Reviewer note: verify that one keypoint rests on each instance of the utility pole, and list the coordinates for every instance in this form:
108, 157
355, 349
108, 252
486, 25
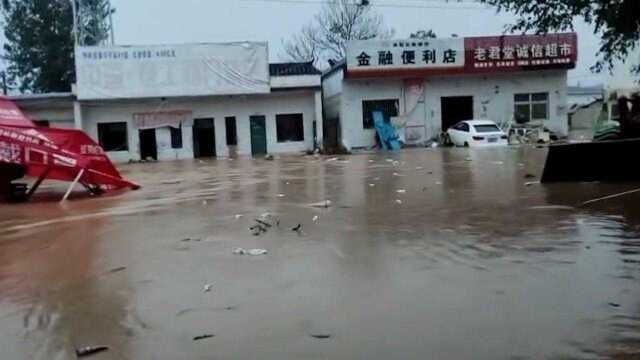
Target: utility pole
113, 37
75, 22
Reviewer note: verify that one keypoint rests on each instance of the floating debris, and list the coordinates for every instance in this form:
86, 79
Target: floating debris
297, 228
172, 182
372, 185
90, 350
118, 269
614, 304
268, 157
332, 159
238, 216
202, 337
398, 201
321, 204
257, 252
531, 183
207, 287
252, 252
281, 195
401, 191
321, 336
316, 218
263, 223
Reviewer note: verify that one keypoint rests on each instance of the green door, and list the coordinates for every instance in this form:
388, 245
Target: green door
258, 135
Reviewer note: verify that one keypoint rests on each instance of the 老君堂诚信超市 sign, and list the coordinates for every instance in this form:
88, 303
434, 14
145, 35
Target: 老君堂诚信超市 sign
423, 57
521, 52
123, 72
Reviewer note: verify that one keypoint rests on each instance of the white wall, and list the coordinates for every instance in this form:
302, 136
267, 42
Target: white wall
492, 99
57, 117
354, 92
295, 81
242, 107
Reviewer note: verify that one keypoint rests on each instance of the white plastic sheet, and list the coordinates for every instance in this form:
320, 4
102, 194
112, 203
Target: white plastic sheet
120, 72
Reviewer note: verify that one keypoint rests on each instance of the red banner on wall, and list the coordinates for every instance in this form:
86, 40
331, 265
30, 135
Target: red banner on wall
520, 52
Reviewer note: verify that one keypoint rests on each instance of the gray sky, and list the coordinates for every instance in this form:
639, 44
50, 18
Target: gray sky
164, 21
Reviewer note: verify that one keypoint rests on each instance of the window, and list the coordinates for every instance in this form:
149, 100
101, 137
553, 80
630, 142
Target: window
290, 127
176, 137
528, 107
486, 128
42, 123
113, 136
232, 132
388, 107
462, 126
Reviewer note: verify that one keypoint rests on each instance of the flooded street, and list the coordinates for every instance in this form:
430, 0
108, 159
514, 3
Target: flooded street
422, 254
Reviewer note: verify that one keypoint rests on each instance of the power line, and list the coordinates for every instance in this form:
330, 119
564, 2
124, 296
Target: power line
425, 4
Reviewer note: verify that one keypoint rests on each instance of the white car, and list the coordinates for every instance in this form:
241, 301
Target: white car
477, 133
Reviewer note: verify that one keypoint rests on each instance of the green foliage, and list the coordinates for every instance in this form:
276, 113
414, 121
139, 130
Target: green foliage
40, 45
616, 21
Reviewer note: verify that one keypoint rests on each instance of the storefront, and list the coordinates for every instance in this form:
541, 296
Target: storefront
183, 101
426, 85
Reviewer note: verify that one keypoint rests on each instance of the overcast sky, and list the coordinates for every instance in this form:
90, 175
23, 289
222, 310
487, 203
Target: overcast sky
166, 22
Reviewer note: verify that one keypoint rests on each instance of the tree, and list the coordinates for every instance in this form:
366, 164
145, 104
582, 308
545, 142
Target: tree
337, 23
423, 34
617, 22
40, 44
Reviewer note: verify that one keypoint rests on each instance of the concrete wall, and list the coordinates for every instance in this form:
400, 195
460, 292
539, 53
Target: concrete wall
492, 99
242, 107
57, 117
332, 94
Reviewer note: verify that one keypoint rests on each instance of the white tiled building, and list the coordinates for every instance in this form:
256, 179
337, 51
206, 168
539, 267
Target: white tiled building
429, 96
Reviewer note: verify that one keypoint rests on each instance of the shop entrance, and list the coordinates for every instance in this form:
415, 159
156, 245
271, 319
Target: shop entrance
456, 109
148, 144
204, 138
258, 135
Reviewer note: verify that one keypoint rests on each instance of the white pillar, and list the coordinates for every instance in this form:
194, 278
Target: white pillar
77, 115
319, 119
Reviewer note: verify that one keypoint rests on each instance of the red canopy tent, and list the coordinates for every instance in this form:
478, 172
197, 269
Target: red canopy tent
48, 153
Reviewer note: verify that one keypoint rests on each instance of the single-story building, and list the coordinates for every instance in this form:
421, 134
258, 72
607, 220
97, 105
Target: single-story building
424, 86
184, 101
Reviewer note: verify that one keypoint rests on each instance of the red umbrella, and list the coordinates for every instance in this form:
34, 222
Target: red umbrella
48, 153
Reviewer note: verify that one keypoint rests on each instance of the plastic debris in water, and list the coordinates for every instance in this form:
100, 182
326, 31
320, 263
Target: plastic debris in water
401, 191
372, 185
398, 201
208, 287
315, 218
321, 336
281, 195
202, 337
238, 216
90, 350
252, 252
321, 204
239, 251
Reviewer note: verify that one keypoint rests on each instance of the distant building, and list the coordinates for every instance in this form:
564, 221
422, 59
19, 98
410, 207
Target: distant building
428, 85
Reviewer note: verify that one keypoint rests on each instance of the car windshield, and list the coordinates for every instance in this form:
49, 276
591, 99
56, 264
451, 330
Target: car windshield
486, 128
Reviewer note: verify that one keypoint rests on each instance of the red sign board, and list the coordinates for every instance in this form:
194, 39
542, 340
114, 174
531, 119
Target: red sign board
520, 52
493, 54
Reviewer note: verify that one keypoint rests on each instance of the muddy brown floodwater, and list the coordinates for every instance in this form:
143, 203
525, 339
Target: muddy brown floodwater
466, 263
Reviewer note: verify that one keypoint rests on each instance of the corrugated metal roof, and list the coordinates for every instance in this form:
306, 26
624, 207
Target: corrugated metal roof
293, 69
